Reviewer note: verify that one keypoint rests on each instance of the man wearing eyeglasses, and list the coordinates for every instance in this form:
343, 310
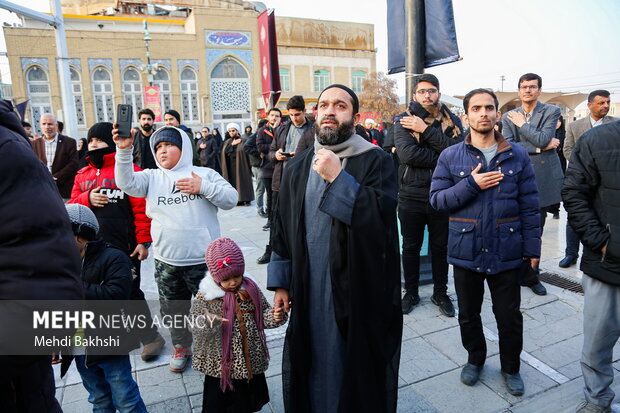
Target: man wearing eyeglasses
533, 125
426, 129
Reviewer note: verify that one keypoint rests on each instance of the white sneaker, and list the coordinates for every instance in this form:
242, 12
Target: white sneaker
179, 359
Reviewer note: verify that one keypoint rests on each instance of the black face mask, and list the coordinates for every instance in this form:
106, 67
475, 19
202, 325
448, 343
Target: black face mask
96, 156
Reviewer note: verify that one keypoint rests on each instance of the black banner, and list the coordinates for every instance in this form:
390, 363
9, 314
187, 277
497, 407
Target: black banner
441, 45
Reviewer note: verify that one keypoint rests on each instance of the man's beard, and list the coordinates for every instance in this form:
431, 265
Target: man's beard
483, 129
329, 136
432, 109
147, 127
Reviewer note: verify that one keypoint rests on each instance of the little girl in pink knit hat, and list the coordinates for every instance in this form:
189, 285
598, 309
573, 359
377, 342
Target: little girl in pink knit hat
230, 347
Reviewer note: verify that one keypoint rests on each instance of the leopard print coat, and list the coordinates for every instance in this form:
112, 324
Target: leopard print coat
249, 357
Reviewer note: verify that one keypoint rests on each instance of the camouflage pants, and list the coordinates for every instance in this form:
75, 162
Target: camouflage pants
176, 287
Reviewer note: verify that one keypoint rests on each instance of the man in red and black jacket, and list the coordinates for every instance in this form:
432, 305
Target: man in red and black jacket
122, 218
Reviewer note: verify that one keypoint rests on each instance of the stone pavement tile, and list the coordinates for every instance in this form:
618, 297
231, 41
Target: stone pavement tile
571, 370
77, 407
535, 382
448, 342
160, 384
560, 399
431, 322
195, 400
408, 333
447, 394
275, 361
547, 334
531, 300
75, 393
179, 404
560, 354
419, 361
276, 403
60, 391
410, 400
551, 312
194, 384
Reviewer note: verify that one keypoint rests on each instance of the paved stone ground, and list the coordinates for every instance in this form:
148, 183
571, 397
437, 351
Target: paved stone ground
432, 354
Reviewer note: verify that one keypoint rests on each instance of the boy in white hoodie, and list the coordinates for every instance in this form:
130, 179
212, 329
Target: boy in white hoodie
182, 201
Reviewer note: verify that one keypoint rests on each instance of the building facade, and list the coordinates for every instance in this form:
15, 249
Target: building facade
205, 52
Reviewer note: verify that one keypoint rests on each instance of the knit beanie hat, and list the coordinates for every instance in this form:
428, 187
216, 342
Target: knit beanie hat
174, 113
168, 134
102, 131
83, 221
224, 259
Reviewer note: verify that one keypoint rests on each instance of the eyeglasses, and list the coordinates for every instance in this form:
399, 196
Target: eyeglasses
528, 87
423, 92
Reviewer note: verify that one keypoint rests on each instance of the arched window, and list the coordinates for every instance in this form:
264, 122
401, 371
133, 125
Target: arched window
103, 95
357, 80
39, 94
78, 97
321, 80
161, 79
230, 93
132, 90
285, 80
189, 95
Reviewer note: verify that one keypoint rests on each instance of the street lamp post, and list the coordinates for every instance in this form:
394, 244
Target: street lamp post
148, 68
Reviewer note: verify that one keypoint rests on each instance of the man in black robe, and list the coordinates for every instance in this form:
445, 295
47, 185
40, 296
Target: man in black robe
336, 262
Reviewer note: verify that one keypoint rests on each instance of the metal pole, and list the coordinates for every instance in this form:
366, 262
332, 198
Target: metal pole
416, 36
149, 68
64, 73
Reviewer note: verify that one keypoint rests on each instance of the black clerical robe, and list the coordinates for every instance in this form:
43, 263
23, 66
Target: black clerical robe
365, 278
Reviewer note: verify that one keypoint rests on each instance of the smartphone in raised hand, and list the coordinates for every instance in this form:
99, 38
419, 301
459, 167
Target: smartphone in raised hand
124, 115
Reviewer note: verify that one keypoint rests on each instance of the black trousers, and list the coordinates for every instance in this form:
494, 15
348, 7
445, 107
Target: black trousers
414, 216
506, 298
27, 385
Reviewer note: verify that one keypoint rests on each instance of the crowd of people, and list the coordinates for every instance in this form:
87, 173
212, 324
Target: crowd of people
331, 190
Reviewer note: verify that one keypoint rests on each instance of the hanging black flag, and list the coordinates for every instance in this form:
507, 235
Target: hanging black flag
441, 46
21, 109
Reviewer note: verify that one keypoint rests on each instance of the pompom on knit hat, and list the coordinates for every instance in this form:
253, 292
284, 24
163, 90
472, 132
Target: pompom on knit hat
83, 221
168, 134
224, 259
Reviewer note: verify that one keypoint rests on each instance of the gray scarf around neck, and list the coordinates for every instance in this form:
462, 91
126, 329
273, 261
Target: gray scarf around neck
352, 147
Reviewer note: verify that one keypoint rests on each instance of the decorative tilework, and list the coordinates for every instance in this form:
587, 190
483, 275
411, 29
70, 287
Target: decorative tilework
187, 62
123, 63
213, 55
92, 63
77, 63
163, 62
29, 61
224, 38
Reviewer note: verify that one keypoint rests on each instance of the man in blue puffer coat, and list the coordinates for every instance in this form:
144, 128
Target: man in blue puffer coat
488, 186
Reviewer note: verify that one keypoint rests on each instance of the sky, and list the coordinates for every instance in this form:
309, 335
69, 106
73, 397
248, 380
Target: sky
572, 44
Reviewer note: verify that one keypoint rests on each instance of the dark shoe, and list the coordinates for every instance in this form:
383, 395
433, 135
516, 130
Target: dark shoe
409, 301
567, 262
538, 289
444, 303
153, 349
264, 259
263, 214
267, 227
514, 383
470, 374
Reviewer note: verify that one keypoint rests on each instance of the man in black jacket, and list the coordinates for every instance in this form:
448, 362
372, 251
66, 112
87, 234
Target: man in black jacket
38, 259
142, 154
427, 128
591, 195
